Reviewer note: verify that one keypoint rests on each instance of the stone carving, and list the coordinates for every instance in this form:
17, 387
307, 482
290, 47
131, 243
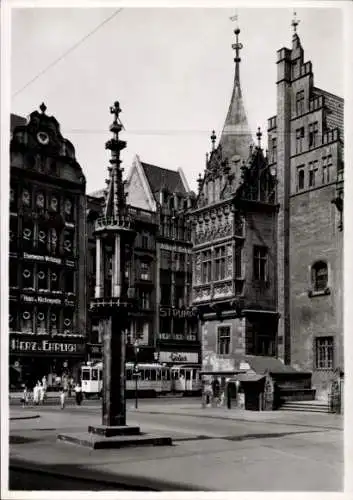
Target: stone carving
223, 290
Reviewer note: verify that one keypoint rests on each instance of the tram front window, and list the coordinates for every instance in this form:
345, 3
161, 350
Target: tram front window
85, 374
95, 374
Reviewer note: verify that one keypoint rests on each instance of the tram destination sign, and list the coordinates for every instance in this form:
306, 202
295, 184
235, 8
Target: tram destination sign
45, 346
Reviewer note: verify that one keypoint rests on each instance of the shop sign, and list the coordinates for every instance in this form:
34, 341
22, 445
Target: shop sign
178, 357
70, 263
40, 300
95, 349
176, 313
42, 258
45, 346
175, 248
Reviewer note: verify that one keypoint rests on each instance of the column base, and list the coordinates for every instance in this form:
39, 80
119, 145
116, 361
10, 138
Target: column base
114, 430
101, 437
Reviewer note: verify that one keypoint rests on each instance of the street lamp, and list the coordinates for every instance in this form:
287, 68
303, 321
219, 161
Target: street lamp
136, 371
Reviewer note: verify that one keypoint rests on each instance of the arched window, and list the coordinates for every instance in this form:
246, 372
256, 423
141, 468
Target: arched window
319, 276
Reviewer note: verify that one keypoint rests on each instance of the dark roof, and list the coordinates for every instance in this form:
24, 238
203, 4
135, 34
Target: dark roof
261, 364
161, 178
15, 121
335, 105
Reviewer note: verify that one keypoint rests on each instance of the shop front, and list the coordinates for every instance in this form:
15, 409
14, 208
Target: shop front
31, 358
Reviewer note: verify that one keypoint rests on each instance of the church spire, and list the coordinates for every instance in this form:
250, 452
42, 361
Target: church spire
236, 136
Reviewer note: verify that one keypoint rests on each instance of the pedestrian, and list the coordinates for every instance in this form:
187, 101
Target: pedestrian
25, 397
78, 393
36, 395
41, 394
62, 398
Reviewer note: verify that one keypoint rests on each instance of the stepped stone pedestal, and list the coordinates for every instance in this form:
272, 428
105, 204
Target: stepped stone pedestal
120, 436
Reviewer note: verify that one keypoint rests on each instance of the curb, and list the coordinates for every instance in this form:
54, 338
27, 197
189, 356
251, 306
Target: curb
240, 419
107, 479
25, 418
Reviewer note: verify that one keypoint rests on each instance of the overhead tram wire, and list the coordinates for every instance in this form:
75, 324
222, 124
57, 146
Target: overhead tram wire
71, 49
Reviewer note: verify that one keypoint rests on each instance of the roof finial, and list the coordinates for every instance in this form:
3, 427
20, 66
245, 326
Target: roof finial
213, 139
199, 181
259, 135
295, 22
43, 108
236, 46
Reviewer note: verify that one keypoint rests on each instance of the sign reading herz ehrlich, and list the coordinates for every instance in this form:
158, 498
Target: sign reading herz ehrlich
45, 346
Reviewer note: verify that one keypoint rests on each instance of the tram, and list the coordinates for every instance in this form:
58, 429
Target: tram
153, 379
186, 379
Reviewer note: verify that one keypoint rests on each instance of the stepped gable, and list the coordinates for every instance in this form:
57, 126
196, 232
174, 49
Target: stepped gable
334, 105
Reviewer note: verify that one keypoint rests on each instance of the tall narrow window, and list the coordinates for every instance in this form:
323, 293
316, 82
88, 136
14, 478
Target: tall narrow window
313, 173
238, 263
319, 276
313, 134
145, 300
260, 263
206, 267
300, 178
299, 145
299, 102
145, 271
223, 340
274, 149
220, 263
324, 350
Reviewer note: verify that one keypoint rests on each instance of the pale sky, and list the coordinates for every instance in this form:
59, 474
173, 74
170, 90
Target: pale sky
171, 69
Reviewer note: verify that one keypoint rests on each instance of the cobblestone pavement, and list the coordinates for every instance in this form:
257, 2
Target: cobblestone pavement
214, 448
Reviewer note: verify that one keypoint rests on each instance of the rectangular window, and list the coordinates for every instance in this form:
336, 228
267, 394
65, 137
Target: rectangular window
145, 273
260, 263
299, 145
300, 178
300, 102
324, 348
206, 267
220, 263
223, 340
313, 134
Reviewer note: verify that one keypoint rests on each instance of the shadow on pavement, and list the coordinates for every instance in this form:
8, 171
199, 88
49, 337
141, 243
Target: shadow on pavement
24, 476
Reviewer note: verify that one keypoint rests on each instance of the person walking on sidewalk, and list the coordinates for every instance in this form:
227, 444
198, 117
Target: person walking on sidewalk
25, 397
78, 394
62, 398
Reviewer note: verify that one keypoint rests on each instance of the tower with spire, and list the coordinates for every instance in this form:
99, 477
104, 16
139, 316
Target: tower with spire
232, 228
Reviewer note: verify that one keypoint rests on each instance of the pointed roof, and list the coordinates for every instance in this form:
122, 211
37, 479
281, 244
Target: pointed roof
162, 178
236, 136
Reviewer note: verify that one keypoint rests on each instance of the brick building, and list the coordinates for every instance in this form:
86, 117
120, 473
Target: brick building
47, 308
306, 148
